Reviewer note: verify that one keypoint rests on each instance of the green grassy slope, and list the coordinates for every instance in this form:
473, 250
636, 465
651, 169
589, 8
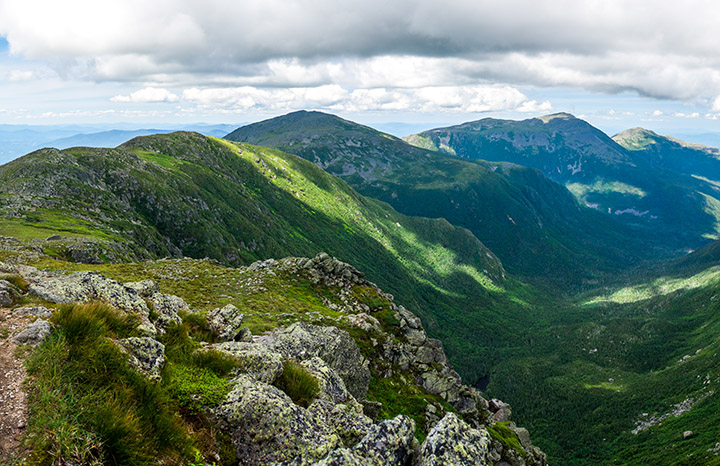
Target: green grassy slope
638, 182
534, 225
610, 360
185, 194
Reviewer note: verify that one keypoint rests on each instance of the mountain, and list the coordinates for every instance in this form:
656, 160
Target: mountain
18, 140
668, 198
668, 153
184, 194
533, 224
115, 137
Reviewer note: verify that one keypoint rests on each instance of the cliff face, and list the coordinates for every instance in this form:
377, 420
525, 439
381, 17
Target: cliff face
385, 394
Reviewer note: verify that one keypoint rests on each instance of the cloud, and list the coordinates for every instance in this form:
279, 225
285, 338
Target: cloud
657, 113
147, 95
654, 49
686, 115
333, 97
533, 106
21, 75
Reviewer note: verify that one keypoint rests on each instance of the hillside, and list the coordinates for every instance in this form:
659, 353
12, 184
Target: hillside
187, 195
678, 205
628, 375
534, 225
304, 362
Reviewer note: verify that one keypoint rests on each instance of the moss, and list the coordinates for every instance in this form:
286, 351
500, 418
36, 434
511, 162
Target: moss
509, 439
194, 387
297, 383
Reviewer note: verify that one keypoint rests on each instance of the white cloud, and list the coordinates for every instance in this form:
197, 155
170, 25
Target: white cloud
417, 50
333, 97
533, 106
686, 115
147, 95
21, 75
657, 113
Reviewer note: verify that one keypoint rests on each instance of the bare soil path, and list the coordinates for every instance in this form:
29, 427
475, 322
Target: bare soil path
13, 406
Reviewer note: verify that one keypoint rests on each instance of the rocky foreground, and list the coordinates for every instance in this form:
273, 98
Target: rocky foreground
341, 426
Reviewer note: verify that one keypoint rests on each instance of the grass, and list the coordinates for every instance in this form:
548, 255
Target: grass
89, 406
400, 395
297, 383
509, 439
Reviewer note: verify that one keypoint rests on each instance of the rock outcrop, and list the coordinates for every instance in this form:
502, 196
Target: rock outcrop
372, 337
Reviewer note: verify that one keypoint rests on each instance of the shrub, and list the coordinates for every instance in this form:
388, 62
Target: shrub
297, 383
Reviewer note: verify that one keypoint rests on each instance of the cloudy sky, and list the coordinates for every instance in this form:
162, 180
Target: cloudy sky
617, 63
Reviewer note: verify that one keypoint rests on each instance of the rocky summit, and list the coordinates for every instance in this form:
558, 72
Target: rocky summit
359, 349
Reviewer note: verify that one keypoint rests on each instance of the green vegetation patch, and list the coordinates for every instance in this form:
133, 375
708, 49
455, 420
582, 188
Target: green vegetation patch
509, 439
88, 406
400, 395
298, 383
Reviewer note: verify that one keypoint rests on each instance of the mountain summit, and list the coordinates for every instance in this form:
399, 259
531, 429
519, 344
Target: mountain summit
533, 224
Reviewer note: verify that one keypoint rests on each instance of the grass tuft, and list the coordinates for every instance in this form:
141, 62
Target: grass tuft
297, 383
88, 406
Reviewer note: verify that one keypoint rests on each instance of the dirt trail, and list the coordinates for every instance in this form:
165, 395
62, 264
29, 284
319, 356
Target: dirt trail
13, 407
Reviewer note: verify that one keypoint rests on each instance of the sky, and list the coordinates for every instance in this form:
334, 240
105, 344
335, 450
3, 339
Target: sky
615, 63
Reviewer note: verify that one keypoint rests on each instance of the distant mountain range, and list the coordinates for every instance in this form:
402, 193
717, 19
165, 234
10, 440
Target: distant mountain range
533, 224
661, 184
17, 140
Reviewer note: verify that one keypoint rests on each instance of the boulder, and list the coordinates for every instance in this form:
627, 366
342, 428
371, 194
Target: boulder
454, 442
35, 311
145, 354
144, 288
389, 443
257, 361
8, 293
336, 347
34, 333
226, 321
346, 420
332, 387
268, 428
83, 287
167, 306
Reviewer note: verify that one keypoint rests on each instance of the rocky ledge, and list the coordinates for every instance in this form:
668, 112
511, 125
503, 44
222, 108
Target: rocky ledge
343, 424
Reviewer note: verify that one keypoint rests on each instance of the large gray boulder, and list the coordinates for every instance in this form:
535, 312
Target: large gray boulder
268, 428
83, 287
145, 354
346, 420
389, 443
226, 321
453, 442
336, 347
168, 306
257, 361
34, 333
8, 293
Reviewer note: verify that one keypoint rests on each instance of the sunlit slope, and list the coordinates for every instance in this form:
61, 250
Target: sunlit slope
534, 225
183, 194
